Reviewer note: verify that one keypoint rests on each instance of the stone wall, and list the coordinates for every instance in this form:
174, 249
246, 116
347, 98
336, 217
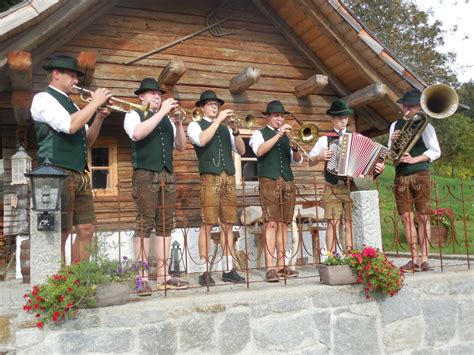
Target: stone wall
433, 313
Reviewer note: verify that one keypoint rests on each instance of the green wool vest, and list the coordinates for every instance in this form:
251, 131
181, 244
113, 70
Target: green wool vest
418, 149
331, 178
155, 151
64, 150
216, 156
276, 163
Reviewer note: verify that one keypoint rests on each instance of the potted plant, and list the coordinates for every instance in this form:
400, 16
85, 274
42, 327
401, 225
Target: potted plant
441, 221
336, 270
97, 283
377, 274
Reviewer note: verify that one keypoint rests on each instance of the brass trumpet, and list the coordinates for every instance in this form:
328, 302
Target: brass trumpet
247, 122
120, 106
180, 113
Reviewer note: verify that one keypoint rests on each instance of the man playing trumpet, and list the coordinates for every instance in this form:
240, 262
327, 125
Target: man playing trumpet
277, 190
153, 135
63, 136
213, 143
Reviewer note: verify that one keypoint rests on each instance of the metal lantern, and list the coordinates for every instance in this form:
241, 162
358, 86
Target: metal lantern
21, 164
176, 259
46, 184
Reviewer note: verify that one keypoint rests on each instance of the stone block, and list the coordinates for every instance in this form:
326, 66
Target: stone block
405, 304
283, 306
463, 287
282, 333
117, 319
196, 333
356, 335
28, 337
440, 320
82, 322
159, 339
366, 219
338, 296
234, 333
6, 331
94, 340
403, 334
322, 322
466, 320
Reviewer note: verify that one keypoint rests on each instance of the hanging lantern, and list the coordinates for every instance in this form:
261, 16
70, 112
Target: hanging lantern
21, 164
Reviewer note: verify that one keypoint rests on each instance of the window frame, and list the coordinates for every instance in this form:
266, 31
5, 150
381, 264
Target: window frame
112, 145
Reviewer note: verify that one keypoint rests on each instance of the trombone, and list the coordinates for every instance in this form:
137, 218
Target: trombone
308, 133
119, 105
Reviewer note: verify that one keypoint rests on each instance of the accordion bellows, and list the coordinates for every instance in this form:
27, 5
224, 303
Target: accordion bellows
355, 155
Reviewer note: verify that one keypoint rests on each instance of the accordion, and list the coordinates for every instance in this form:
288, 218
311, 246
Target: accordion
355, 155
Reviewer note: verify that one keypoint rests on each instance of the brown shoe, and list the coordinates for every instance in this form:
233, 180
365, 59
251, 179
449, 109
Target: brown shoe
174, 284
272, 276
426, 266
287, 272
410, 267
144, 291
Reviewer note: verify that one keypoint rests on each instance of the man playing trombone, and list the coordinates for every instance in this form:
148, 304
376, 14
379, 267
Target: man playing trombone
214, 143
274, 153
153, 135
63, 136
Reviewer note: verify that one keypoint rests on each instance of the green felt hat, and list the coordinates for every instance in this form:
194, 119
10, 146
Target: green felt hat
339, 108
207, 96
149, 84
275, 106
411, 97
64, 62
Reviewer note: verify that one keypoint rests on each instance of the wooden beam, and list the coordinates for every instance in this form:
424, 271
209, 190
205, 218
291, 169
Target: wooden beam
20, 70
245, 79
86, 62
21, 103
171, 74
366, 114
312, 85
366, 95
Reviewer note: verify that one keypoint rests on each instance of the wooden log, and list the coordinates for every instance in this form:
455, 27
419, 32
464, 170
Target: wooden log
171, 74
20, 70
311, 85
86, 62
21, 103
365, 96
249, 76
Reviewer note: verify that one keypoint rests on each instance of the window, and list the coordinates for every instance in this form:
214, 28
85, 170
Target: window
102, 159
246, 166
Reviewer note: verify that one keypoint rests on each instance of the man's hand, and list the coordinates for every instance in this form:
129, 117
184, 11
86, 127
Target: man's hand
325, 155
395, 136
286, 128
102, 112
223, 115
100, 96
167, 105
379, 168
407, 159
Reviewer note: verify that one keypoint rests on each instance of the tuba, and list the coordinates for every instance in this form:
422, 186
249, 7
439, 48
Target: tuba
437, 101
119, 105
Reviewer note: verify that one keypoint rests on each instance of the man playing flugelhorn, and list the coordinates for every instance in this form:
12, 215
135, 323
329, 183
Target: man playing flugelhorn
214, 143
63, 137
153, 135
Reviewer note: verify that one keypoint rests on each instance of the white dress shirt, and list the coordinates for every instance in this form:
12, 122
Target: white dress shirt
257, 140
45, 108
433, 151
132, 120
194, 131
322, 144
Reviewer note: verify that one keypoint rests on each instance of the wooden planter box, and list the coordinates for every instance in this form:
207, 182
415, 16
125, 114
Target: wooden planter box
337, 275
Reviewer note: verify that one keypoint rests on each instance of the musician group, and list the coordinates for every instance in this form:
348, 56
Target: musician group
63, 135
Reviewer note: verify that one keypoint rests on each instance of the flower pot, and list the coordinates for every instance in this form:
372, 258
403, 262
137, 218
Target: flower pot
112, 294
337, 275
438, 236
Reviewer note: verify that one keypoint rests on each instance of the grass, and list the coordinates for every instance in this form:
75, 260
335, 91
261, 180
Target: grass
446, 192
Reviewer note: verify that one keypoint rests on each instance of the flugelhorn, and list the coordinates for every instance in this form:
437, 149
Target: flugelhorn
247, 122
180, 113
119, 105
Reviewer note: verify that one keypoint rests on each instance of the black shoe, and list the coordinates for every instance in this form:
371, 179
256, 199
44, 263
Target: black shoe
206, 278
233, 276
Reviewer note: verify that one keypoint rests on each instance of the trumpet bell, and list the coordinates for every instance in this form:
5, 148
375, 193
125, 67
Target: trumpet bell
439, 101
249, 121
308, 133
197, 114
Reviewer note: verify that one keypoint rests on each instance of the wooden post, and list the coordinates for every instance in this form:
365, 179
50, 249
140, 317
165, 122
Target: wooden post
21, 103
311, 85
371, 93
86, 62
20, 70
171, 74
249, 76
